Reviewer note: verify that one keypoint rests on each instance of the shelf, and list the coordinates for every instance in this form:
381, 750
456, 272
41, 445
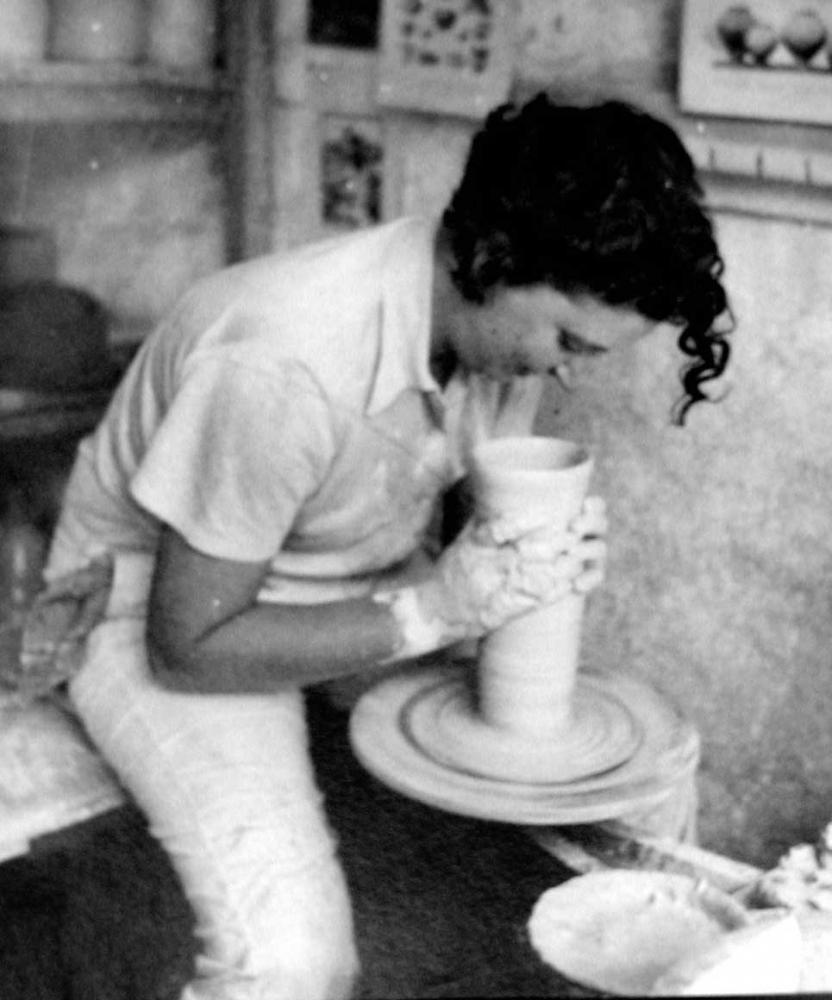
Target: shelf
89, 92
43, 415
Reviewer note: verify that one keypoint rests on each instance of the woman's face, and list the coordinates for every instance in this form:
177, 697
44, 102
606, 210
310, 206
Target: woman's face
538, 330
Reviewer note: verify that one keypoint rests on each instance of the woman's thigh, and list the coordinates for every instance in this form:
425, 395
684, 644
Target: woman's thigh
228, 788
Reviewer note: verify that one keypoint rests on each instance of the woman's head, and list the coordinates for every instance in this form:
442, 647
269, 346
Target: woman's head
600, 201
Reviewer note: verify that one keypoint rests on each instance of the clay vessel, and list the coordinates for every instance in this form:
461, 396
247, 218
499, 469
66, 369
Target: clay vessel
527, 668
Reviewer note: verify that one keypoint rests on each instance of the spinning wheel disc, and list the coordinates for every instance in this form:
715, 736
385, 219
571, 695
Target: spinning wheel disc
600, 733
666, 750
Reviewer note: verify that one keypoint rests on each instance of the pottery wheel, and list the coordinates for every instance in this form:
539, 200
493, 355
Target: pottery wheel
600, 733
382, 736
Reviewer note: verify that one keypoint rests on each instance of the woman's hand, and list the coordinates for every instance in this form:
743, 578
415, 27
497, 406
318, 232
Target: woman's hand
56, 627
496, 571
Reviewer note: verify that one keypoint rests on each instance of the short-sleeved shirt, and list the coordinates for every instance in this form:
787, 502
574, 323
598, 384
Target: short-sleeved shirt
286, 412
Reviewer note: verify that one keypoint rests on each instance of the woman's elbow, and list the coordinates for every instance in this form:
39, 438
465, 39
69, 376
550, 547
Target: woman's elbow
173, 665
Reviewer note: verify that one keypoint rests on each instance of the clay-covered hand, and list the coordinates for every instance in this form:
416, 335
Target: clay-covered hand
56, 628
582, 545
494, 572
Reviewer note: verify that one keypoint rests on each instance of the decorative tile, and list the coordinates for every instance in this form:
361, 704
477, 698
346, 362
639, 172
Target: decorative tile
352, 158
450, 56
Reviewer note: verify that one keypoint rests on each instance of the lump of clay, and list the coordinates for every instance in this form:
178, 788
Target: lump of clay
757, 960
801, 878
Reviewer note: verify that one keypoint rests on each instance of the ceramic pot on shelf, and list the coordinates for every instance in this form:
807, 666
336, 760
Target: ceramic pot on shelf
182, 33
527, 669
98, 30
731, 27
804, 34
23, 29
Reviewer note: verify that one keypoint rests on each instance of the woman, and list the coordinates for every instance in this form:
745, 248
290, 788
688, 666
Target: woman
264, 484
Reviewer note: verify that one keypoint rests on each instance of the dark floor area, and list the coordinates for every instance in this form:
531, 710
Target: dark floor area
441, 901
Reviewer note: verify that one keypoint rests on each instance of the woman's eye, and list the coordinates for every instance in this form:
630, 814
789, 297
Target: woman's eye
571, 343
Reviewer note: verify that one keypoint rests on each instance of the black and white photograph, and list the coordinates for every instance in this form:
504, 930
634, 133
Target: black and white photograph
415, 476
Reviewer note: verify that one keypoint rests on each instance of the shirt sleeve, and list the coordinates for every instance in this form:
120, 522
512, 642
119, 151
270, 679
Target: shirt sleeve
235, 457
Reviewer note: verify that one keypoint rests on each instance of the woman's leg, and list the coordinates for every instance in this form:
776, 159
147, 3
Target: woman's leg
228, 787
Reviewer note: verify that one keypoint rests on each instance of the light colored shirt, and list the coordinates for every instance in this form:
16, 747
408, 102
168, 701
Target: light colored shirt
285, 412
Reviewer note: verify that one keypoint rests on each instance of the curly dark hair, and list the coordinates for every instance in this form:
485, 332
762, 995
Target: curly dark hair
601, 200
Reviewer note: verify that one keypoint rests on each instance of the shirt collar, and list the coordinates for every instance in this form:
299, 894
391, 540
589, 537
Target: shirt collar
404, 343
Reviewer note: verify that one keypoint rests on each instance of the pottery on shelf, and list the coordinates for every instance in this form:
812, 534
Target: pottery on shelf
760, 41
527, 668
98, 30
182, 33
804, 34
23, 29
731, 28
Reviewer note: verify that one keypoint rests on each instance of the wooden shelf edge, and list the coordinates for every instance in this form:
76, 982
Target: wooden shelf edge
42, 92
107, 74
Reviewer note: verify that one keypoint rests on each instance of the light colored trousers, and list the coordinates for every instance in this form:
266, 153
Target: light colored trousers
227, 785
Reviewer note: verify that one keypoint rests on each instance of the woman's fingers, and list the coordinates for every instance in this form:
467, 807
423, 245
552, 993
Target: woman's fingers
92, 609
97, 574
592, 520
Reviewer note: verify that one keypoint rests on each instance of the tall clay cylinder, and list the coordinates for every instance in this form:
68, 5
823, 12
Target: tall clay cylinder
528, 668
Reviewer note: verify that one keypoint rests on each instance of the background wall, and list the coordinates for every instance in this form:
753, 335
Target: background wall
720, 580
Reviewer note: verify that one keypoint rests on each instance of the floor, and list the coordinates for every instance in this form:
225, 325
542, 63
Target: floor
441, 901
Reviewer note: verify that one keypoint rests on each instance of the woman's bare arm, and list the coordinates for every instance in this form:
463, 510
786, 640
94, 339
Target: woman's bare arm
207, 633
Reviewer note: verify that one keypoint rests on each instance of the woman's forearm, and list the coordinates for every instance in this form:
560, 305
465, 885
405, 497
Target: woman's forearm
268, 646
